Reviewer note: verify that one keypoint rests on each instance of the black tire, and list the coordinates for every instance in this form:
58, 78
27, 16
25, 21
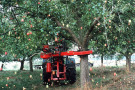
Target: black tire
72, 75
45, 75
45, 78
71, 70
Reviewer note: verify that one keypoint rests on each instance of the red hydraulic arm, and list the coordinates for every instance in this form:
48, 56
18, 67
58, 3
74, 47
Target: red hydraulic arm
68, 53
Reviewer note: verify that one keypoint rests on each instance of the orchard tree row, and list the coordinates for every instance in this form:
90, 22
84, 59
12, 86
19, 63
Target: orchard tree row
106, 26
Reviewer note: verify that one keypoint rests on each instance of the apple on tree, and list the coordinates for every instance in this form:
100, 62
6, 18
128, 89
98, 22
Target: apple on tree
28, 33
29, 39
90, 69
13, 28
5, 53
24, 16
48, 15
6, 85
129, 22
105, 1
109, 26
98, 24
81, 28
22, 20
105, 44
31, 26
109, 21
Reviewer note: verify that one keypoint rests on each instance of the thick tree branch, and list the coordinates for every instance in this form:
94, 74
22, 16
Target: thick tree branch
89, 31
67, 37
70, 32
34, 55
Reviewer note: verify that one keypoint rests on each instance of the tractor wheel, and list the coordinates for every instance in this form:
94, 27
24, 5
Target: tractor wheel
71, 71
45, 79
45, 75
72, 75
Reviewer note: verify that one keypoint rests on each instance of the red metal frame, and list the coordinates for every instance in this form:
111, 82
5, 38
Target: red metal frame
58, 72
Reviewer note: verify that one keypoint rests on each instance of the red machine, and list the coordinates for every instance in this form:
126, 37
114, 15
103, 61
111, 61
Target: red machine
56, 64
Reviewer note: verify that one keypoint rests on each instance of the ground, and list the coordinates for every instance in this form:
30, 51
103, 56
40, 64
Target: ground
127, 82
105, 78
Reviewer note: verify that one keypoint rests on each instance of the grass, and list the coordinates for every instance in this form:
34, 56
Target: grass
17, 80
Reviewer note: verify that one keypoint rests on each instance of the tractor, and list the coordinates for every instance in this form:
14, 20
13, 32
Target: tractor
57, 66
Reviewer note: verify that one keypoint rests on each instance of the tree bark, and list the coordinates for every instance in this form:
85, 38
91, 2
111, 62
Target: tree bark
102, 58
84, 75
22, 64
116, 63
2, 66
128, 63
31, 64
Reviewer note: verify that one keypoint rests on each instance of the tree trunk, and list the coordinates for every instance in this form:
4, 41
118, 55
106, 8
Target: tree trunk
116, 63
22, 64
84, 75
128, 63
31, 64
2, 67
102, 58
